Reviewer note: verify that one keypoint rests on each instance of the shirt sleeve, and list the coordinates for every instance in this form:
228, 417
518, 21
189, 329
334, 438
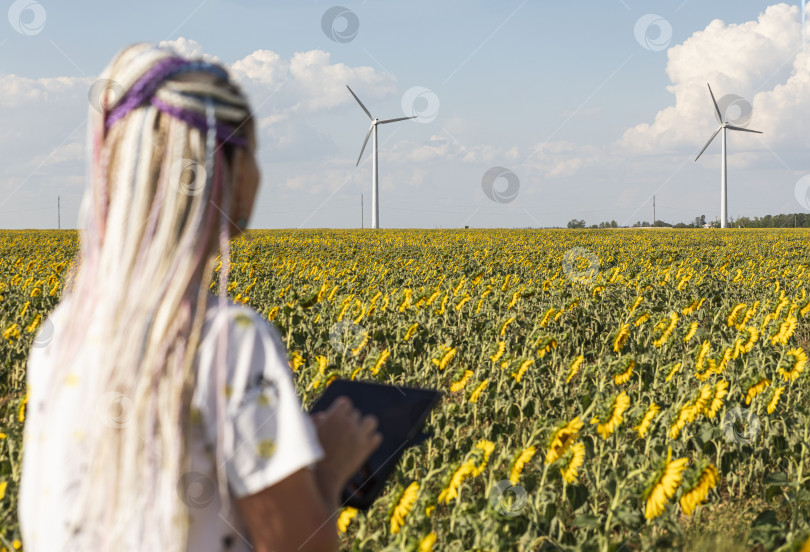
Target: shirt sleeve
271, 437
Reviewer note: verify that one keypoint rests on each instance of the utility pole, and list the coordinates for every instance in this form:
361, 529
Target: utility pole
58, 212
653, 210
361, 212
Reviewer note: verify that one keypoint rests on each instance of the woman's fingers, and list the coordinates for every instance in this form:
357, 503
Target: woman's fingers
369, 424
341, 404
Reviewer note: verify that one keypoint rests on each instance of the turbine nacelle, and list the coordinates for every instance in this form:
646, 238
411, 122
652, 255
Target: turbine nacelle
723, 125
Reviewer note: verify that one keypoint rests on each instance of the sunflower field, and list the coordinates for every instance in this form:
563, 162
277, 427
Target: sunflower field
603, 389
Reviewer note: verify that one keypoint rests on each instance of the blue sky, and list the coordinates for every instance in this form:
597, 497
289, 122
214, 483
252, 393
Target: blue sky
561, 93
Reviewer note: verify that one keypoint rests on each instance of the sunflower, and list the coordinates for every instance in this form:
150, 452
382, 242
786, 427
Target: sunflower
575, 367
562, 439
798, 365
727, 354
545, 345
34, 324
756, 389
775, 399
664, 486
476, 394
517, 468
702, 400
449, 353
675, 368
691, 333
621, 337
704, 350
786, 330
506, 324
462, 383
410, 332
753, 335
12, 331
645, 422
451, 491
403, 507
692, 498
720, 391
487, 447
522, 370
749, 314
499, 353
667, 331
380, 361
426, 544
624, 377
686, 414
732, 318
346, 516
546, 317
690, 309
641, 319
569, 473
620, 404
515, 297
360, 345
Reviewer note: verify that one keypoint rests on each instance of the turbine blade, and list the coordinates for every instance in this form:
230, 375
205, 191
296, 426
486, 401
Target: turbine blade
364, 144
709, 142
716, 107
743, 129
361, 103
395, 120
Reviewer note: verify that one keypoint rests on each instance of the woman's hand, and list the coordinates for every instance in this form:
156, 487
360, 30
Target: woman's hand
347, 439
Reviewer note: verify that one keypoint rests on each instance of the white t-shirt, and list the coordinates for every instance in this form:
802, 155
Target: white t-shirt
272, 436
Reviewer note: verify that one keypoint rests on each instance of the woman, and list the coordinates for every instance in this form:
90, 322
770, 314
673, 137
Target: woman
160, 417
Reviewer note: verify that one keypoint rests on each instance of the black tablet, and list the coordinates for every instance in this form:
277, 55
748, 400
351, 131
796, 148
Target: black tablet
401, 412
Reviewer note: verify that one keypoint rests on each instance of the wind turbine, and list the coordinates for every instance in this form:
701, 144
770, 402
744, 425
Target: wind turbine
723, 180
375, 198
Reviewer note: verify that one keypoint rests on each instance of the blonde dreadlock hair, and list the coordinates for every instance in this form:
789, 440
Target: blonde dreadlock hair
149, 235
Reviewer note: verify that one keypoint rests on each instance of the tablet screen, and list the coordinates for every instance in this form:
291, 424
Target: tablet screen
400, 411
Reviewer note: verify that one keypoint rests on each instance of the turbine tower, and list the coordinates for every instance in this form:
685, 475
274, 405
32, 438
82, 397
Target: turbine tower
724, 125
375, 197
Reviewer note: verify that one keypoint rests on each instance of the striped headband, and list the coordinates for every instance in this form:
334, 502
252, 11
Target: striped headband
143, 91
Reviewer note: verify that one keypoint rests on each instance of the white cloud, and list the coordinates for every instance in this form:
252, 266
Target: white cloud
308, 82
761, 60
189, 48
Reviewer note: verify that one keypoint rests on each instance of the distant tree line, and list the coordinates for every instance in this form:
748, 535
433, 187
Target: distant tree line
797, 220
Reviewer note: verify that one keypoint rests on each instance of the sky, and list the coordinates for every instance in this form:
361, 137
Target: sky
529, 113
